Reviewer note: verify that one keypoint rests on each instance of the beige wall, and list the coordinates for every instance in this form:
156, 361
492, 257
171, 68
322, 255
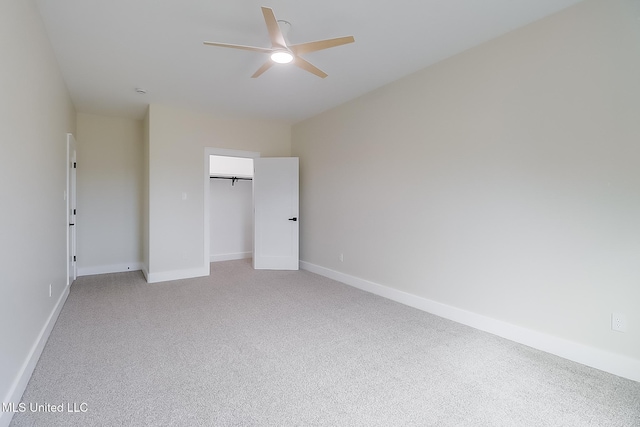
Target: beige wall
35, 114
177, 140
503, 181
110, 186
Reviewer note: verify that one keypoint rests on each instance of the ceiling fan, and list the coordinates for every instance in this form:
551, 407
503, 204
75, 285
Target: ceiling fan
282, 53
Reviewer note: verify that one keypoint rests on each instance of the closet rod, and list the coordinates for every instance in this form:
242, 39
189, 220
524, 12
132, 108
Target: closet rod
232, 178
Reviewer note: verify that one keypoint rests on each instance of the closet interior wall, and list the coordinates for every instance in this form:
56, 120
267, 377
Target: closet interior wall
230, 216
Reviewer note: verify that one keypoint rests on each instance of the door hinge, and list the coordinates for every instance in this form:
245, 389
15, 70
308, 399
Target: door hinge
74, 212
75, 165
74, 258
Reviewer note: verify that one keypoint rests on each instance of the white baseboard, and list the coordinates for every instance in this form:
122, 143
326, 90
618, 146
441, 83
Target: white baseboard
229, 257
613, 363
105, 269
24, 374
177, 274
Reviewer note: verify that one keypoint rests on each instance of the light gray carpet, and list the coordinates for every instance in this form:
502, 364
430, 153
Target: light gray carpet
245, 347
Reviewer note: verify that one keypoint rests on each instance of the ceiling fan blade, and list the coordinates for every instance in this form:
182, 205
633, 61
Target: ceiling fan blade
307, 66
303, 48
277, 39
262, 69
239, 46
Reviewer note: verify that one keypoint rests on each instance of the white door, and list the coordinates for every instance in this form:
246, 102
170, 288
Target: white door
71, 209
275, 203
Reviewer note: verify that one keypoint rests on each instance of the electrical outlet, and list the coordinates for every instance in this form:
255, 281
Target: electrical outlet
49, 290
341, 257
618, 322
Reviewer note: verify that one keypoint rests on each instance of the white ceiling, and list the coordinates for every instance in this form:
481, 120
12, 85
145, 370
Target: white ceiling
107, 48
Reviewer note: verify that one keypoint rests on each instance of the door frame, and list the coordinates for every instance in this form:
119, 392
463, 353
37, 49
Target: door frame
211, 151
71, 199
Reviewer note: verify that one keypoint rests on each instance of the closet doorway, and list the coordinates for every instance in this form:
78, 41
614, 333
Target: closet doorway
259, 220
231, 220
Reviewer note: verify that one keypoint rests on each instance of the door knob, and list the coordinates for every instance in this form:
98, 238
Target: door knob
293, 219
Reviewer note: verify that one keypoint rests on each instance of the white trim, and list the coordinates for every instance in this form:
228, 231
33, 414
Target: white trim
105, 269
229, 257
69, 199
211, 151
67, 207
177, 274
14, 395
613, 363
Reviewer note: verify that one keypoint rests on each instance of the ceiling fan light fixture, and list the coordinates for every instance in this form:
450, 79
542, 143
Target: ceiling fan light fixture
281, 52
282, 57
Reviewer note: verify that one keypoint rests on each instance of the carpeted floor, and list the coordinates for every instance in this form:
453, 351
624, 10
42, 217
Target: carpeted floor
281, 348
